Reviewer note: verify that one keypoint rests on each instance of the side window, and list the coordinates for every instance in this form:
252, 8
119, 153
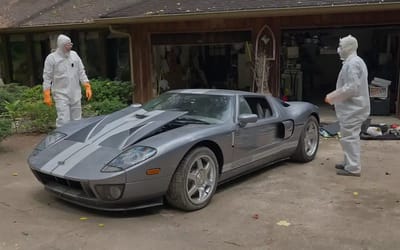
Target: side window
259, 106
244, 107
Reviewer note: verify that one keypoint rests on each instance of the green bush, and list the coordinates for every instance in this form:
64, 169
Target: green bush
108, 96
103, 107
37, 117
10, 93
109, 90
25, 110
5, 128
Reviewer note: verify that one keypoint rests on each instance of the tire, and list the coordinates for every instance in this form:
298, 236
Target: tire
307, 146
194, 181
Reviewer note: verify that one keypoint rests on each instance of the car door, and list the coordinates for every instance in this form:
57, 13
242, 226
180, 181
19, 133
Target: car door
255, 143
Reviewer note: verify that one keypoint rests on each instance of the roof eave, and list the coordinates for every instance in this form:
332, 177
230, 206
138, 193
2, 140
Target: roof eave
297, 11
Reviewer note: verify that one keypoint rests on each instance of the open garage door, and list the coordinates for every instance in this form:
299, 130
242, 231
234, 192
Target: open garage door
202, 60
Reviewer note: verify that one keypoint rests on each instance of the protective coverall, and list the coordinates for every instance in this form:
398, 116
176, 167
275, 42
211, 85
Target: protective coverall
351, 100
63, 73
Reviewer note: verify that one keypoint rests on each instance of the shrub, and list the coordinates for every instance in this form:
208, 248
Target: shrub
10, 93
37, 117
109, 90
5, 128
103, 107
108, 96
24, 108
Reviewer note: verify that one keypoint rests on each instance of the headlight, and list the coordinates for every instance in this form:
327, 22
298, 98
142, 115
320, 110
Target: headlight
128, 158
110, 192
50, 139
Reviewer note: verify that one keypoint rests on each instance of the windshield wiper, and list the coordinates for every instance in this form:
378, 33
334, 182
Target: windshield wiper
191, 120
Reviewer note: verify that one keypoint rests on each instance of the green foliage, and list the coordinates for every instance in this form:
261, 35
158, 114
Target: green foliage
109, 90
10, 93
108, 96
5, 128
103, 107
38, 117
24, 108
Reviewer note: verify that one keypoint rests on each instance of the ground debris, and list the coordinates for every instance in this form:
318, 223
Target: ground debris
283, 223
232, 243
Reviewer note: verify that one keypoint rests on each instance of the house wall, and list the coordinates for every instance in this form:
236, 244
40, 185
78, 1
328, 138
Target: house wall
141, 33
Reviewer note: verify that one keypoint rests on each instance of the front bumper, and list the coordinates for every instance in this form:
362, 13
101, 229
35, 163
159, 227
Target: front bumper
136, 195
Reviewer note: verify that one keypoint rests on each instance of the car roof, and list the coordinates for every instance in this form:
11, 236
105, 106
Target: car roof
214, 92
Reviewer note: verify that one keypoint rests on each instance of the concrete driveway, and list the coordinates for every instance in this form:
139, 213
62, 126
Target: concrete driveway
325, 211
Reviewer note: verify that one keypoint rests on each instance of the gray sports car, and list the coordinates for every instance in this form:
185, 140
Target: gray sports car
176, 148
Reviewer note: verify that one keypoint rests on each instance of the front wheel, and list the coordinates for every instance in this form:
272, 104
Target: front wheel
309, 141
195, 180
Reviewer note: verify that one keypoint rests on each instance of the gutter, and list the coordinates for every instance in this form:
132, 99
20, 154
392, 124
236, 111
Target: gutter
126, 34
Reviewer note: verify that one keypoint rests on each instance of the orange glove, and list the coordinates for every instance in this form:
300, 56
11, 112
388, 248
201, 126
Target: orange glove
88, 90
47, 97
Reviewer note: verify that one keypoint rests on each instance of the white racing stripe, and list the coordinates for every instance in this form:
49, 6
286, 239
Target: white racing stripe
53, 163
119, 126
63, 162
72, 161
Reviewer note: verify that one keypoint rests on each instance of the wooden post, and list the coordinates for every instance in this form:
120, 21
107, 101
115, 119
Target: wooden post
141, 48
6, 71
30, 60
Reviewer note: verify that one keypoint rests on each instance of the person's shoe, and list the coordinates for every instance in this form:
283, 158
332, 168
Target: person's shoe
339, 166
347, 173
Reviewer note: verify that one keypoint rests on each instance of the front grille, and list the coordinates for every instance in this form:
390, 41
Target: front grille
47, 179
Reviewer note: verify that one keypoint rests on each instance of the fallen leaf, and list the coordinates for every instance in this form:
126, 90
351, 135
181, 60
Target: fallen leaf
101, 225
15, 174
355, 193
255, 216
283, 223
83, 218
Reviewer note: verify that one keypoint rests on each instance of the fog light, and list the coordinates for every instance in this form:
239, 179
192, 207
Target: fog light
110, 192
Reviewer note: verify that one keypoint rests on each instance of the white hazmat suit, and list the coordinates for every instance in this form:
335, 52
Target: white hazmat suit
352, 104
63, 73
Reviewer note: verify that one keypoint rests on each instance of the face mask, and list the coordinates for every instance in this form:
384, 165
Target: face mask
67, 47
340, 52
347, 46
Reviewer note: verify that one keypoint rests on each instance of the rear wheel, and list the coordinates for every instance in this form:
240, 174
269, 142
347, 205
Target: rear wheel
308, 142
195, 180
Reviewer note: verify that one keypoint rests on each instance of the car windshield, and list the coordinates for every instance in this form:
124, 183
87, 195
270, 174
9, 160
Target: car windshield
202, 107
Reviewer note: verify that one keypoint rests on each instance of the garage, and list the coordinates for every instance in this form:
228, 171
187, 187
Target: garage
310, 63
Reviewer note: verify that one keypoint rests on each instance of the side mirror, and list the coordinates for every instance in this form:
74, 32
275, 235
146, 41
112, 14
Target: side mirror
247, 118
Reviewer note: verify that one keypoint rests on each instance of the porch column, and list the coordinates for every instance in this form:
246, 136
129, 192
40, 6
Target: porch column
6, 71
141, 48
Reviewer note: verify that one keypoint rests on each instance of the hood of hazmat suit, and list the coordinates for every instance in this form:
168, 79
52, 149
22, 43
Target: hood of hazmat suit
64, 72
351, 97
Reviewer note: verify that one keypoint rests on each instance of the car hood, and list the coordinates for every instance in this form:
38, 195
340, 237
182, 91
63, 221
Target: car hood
90, 145
123, 128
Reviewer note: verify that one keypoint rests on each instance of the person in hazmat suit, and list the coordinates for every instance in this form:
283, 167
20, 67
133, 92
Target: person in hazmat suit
62, 75
352, 104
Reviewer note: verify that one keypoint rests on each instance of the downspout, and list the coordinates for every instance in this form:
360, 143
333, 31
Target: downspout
127, 34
